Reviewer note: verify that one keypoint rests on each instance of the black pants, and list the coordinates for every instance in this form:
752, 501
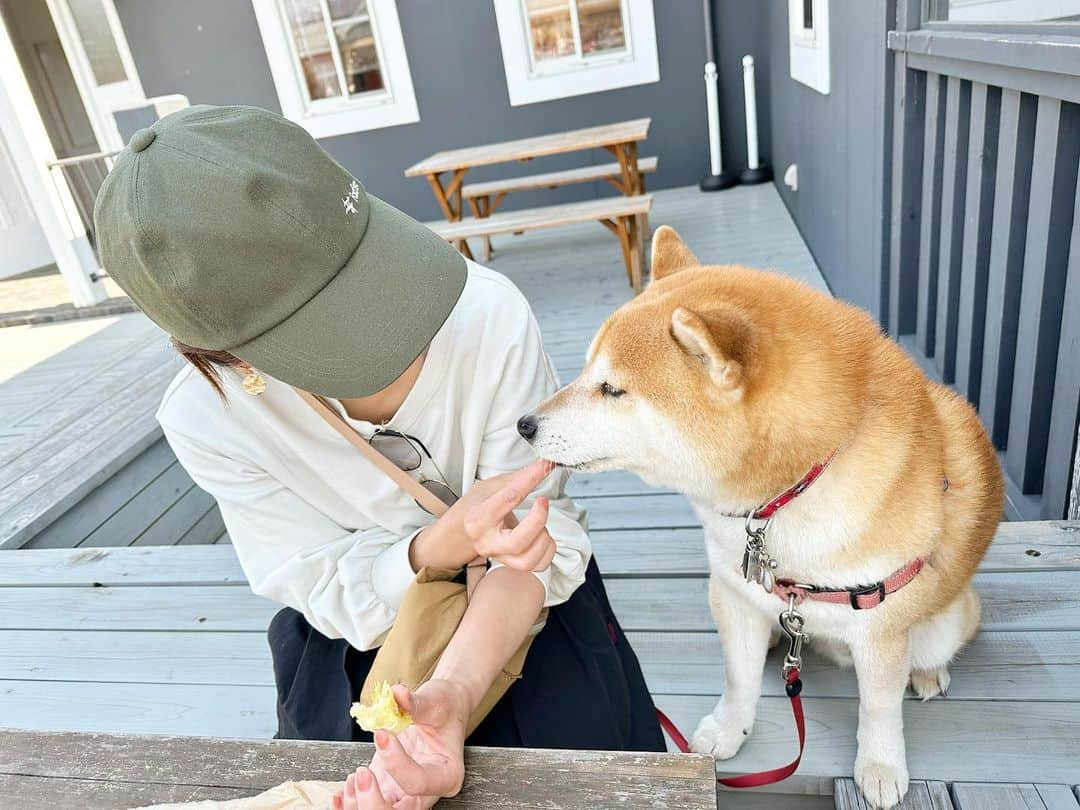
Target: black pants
581, 686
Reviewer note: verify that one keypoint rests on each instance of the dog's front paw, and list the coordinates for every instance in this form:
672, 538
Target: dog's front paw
717, 735
882, 785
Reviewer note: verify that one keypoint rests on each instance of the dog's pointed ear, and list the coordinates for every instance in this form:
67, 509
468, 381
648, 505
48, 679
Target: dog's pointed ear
669, 253
698, 340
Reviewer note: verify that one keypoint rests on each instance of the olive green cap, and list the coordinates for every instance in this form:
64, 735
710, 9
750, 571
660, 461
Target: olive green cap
233, 230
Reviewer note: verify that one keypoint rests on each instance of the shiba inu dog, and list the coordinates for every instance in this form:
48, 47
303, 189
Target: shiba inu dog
729, 385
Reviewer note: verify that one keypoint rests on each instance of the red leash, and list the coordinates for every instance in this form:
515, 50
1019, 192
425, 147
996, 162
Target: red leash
757, 566
793, 687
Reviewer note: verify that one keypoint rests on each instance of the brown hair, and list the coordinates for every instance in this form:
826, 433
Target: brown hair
208, 362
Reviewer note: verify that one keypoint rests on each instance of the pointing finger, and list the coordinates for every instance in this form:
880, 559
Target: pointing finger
489, 513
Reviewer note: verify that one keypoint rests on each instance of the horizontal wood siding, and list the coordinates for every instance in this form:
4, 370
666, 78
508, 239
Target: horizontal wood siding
993, 188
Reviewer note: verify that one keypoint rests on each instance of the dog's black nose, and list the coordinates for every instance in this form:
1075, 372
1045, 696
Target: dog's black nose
527, 425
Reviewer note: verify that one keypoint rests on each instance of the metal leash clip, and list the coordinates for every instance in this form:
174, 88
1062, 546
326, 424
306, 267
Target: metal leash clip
758, 565
793, 623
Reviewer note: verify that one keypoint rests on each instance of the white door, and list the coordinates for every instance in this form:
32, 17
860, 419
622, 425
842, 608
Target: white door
101, 62
22, 242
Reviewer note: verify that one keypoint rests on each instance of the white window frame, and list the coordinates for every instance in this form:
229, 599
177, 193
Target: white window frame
809, 47
324, 118
637, 64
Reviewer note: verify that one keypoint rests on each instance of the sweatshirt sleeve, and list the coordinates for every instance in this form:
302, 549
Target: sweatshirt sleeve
526, 379
347, 584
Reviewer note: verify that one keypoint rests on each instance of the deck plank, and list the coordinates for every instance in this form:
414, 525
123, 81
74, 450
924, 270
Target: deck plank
976, 796
921, 796
1011, 601
1019, 666
1033, 547
947, 741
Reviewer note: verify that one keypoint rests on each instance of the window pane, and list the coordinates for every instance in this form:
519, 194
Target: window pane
359, 56
97, 38
550, 29
343, 9
601, 26
1006, 10
308, 29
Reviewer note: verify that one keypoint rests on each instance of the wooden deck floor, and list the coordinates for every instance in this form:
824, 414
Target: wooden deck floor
169, 640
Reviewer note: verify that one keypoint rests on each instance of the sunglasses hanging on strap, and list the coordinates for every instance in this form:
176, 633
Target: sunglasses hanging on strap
428, 500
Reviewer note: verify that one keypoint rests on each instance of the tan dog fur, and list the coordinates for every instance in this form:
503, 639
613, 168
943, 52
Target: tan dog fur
735, 382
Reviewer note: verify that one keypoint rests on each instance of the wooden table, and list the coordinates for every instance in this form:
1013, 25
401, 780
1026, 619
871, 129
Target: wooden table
61, 769
619, 139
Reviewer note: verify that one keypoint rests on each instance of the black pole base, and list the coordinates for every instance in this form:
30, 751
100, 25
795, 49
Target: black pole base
752, 177
718, 182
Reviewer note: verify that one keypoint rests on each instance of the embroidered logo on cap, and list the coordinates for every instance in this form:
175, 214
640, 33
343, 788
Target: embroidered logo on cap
351, 196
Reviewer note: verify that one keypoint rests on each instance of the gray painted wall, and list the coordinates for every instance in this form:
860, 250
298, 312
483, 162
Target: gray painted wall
210, 50
837, 141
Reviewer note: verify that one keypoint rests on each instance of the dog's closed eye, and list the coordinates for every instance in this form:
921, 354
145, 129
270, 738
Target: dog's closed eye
608, 390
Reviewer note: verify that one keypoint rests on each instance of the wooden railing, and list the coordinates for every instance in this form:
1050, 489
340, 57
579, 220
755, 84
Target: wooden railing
984, 261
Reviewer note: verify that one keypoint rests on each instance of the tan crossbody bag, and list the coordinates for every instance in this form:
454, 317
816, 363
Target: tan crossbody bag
434, 603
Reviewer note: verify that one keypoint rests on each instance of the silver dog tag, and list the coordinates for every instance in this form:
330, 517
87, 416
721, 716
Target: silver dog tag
752, 566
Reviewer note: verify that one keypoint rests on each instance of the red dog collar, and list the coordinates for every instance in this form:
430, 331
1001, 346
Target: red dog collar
770, 508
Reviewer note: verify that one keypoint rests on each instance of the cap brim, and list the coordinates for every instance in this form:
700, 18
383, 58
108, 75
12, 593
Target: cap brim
363, 329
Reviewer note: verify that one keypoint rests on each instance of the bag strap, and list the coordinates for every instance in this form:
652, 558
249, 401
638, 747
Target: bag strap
476, 569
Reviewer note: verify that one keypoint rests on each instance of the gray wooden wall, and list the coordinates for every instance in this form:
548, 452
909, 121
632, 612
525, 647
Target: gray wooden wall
837, 141
210, 50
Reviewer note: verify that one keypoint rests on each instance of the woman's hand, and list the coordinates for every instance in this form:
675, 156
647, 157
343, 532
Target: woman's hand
423, 763
482, 523
495, 532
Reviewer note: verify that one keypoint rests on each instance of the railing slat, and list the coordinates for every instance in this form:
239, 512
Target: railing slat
1066, 402
1012, 184
975, 256
907, 174
953, 184
1050, 215
930, 226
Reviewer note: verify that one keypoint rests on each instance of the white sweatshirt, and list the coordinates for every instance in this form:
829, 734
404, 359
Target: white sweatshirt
315, 525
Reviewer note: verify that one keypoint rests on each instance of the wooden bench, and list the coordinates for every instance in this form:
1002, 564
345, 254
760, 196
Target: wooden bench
620, 215
46, 771
611, 172
484, 198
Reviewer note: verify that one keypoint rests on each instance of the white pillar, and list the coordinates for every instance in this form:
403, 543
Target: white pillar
712, 110
752, 157
52, 203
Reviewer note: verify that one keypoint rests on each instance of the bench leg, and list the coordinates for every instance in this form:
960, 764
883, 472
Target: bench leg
645, 232
626, 229
633, 266
488, 250
478, 211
